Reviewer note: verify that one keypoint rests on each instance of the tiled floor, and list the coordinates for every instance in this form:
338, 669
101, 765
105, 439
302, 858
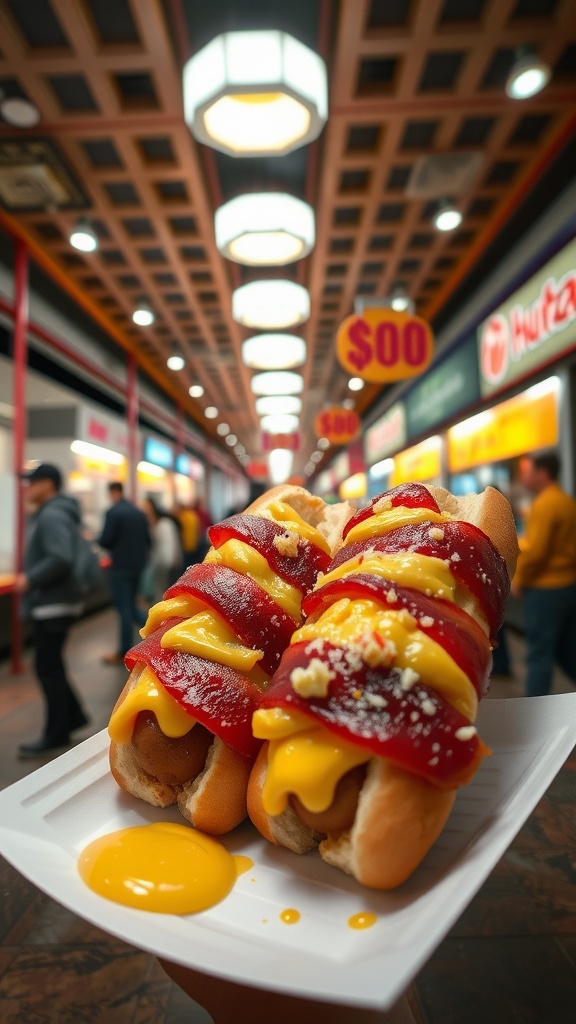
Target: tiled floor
511, 957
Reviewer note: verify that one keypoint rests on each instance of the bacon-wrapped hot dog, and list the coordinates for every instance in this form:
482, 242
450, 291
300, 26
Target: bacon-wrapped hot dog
370, 715
181, 729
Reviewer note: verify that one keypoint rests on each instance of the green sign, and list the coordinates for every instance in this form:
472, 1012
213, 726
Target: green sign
535, 325
444, 390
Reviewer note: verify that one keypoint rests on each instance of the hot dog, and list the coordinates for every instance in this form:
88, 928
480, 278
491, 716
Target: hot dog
369, 717
181, 728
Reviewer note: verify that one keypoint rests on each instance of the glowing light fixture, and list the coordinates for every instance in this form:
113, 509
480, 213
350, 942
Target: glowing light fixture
265, 229
316, 457
277, 382
255, 94
447, 217
280, 464
323, 444
271, 305
196, 391
276, 424
143, 315
528, 75
210, 412
149, 469
273, 351
280, 404
355, 384
231, 440
223, 429
94, 451
18, 111
176, 360
400, 301
83, 237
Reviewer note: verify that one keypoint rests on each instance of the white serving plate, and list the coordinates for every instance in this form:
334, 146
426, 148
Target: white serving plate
48, 817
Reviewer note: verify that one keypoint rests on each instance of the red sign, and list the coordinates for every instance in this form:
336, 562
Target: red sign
494, 349
289, 441
257, 470
384, 344
337, 425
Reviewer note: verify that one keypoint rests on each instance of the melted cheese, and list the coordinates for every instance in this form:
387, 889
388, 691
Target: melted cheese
149, 695
183, 606
308, 763
390, 519
285, 515
243, 558
406, 568
351, 623
209, 636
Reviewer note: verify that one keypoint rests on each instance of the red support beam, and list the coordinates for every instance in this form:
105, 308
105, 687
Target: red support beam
132, 418
19, 433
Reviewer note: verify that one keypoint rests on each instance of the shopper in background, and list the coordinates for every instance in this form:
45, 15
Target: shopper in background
126, 536
52, 599
190, 531
205, 524
546, 575
165, 565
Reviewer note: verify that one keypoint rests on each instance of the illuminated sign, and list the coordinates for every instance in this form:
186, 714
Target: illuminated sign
159, 453
422, 462
386, 436
337, 425
383, 345
536, 324
290, 442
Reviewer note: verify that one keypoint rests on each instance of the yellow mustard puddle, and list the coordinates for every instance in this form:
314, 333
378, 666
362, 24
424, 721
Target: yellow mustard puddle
290, 916
164, 868
361, 921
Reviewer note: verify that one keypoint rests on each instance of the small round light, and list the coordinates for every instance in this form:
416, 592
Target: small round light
143, 315
323, 443
447, 218
349, 403
355, 384
281, 424
270, 305
19, 112
210, 412
239, 450
316, 456
175, 362
196, 391
273, 351
277, 382
279, 404
527, 77
223, 429
400, 301
231, 440
83, 237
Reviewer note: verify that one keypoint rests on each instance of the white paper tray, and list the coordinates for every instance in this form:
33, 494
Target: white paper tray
48, 817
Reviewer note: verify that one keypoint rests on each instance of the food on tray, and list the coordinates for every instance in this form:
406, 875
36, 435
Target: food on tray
369, 720
181, 729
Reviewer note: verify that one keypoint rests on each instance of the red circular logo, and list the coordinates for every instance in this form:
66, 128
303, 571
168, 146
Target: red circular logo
494, 349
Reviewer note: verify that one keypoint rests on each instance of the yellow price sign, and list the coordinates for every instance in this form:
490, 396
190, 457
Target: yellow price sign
383, 344
337, 424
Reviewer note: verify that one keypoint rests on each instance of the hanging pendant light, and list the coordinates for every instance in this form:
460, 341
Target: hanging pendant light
270, 404
277, 382
83, 237
255, 94
528, 74
143, 314
273, 351
270, 305
277, 424
265, 229
447, 217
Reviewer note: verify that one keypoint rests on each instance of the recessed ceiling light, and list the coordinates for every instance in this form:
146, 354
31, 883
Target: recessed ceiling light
223, 429
83, 237
355, 384
447, 217
210, 412
196, 391
19, 112
143, 315
528, 75
323, 443
231, 440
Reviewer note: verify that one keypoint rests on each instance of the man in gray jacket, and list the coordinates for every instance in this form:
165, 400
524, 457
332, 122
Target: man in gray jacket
52, 600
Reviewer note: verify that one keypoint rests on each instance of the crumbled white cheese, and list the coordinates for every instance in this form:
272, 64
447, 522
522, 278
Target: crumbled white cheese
435, 533
433, 761
428, 707
376, 700
408, 678
466, 732
407, 620
287, 544
426, 621
455, 557
312, 681
375, 652
382, 505
391, 597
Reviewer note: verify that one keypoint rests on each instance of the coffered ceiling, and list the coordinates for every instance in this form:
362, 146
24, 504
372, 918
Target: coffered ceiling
408, 79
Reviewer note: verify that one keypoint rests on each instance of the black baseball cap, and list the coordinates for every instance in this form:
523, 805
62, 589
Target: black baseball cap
44, 471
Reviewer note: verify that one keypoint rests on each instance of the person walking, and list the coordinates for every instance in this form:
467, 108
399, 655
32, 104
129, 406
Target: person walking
126, 536
166, 553
190, 531
546, 575
52, 599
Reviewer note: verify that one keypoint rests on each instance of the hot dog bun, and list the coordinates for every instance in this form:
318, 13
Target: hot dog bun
148, 766
399, 814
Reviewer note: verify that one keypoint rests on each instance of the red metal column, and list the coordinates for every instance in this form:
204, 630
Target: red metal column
19, 435
132, 417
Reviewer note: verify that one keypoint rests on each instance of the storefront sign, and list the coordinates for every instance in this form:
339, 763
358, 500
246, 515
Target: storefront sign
534, 326
422, 462
338, 425
522, 424
158, 453
386, 436
446, 388
290, 442
384, 345
97, 427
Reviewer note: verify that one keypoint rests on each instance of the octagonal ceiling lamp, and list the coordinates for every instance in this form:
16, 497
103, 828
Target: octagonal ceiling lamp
265, 229
280, 404
279, 424
273, 351
271, 305
277, 382
255, 94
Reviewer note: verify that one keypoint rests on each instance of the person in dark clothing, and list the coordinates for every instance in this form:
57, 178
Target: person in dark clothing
127, 537
53, 601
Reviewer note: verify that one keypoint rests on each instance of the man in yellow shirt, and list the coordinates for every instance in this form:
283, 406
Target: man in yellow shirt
546, 575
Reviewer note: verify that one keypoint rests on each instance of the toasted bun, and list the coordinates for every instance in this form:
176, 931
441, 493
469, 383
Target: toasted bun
399, 814
399, 817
